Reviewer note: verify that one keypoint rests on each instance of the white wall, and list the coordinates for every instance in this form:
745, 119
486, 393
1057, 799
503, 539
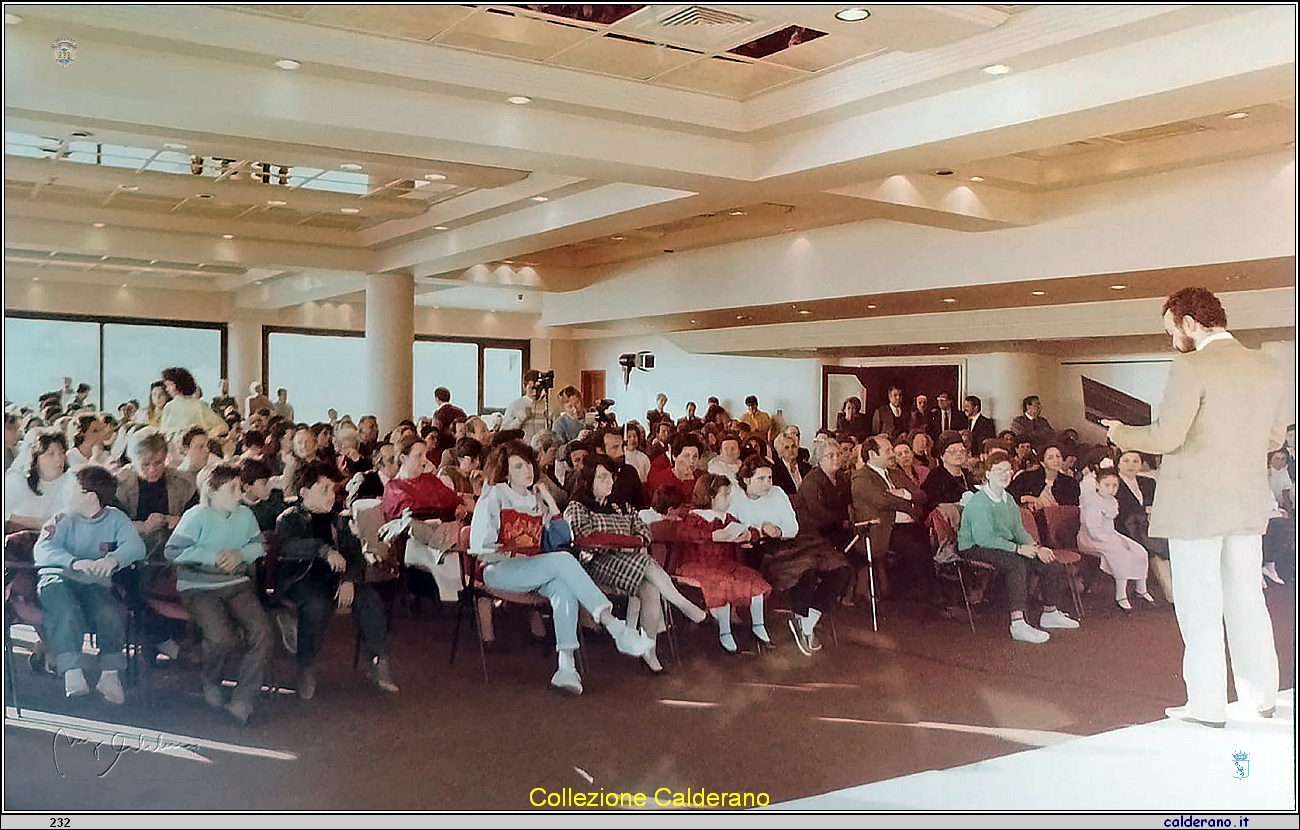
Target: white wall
793, 386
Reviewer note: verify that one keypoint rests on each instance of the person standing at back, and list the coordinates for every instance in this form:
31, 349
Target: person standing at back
256, 401
1220, 416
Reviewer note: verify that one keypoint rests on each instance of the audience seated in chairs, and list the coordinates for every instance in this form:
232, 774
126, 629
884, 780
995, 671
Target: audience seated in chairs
896, 510
507, 532
949, 482
815, 573
992, 531
322, 564
683, 473
708, 557
77, 553
788, 470
1136, 494
613, 540
212, 548
1121, 557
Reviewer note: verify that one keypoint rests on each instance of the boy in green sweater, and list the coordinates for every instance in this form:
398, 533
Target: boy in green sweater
212, 546
992, 531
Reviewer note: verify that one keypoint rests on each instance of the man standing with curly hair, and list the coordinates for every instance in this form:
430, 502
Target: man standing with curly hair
1220, 416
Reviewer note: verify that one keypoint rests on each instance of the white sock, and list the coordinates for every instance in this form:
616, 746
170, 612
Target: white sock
723, 616
756, 611
1121, 589
1017, 616
566, 660
1141, 586
809, 622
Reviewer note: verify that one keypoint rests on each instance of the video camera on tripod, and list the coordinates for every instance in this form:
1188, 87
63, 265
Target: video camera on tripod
544, 381
604, 418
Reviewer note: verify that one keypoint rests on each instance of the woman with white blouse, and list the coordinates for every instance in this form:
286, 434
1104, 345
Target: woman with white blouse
36, 485
187, 408
506, 533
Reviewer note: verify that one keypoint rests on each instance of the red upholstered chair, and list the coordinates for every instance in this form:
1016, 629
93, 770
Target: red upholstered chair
22, 606
941, 531
1061, 539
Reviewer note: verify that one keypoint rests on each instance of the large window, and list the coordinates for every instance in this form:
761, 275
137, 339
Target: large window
324, 369
118, 357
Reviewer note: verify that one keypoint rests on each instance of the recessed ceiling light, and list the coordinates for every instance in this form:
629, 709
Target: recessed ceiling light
351, 165
740, 317
541, 198
1038, 293
435, 177
440, 227
286, 63
950, 299
943, 172
80, 134
618, 238
349, 210
124, 285
871, 306
202, 195
736, 213
805, 311
943, 348
519, 99
12, 19
36, 279
1118, 287
852, 15
172, 145
692, 322
275, 203
997, 69
1234, 116
98, 225
129, 188
227, 236
977, 178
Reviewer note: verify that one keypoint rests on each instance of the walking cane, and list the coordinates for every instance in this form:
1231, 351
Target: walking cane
864, 536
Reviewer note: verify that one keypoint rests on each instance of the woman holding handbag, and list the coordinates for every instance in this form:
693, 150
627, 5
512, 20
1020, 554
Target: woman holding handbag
516, 532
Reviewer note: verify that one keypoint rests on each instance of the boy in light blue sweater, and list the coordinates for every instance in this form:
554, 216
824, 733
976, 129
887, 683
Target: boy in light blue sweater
212, 546
77, 553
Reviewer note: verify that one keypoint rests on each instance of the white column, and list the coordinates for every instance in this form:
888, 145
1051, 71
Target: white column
390, 331
244, 359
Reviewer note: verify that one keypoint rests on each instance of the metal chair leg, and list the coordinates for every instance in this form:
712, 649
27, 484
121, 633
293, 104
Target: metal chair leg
9, 672
672, 632
961, 580
871, 582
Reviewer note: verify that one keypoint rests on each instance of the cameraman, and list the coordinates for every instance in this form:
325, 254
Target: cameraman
529, 412
573, 419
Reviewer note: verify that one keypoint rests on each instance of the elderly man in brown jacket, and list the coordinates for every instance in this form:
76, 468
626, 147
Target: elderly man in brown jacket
1220, 416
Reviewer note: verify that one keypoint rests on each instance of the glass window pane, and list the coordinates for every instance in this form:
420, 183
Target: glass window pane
135, 355
321, 372
453, 365
39, 354
503, 374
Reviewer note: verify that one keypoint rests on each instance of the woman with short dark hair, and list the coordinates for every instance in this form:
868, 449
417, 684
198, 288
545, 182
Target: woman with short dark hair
35, 490
187, 408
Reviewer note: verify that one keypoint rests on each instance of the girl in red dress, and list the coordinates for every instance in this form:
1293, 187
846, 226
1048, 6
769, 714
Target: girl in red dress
709, 555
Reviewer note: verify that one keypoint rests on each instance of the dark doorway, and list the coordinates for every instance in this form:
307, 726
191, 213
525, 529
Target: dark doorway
876, 381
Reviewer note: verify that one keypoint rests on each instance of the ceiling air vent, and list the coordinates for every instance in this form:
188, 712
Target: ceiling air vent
702, 16
1158, 131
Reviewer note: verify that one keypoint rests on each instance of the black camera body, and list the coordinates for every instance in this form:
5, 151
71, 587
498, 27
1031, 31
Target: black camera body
545, 381
605, 418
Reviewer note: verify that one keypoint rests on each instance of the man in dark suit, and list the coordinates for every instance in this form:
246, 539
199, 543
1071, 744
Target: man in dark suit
945, 417
789, 470
981, 427
890, 419
875, 498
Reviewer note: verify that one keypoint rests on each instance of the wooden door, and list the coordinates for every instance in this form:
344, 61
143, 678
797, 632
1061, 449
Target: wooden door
593, 387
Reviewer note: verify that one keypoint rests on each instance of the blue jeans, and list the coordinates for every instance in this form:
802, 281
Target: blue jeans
559, 578
69, 606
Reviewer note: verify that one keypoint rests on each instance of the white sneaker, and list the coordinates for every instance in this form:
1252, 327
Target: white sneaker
567, 680
1055, 619
1026, 633
111, 687
74, 683
629, 640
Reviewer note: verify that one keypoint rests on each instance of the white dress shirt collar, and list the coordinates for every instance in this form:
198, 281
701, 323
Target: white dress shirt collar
1222, 335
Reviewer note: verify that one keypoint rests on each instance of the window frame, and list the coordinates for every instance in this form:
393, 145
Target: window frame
102, 320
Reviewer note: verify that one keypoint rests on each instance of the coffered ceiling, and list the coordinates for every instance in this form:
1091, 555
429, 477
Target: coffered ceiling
499, 151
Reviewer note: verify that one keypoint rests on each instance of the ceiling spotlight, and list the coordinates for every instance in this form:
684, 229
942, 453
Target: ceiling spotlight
275, 203
435, 177
227, 236
351, 165
98, 225
736, 213
349, 210
1038, 293
12, 19
997, 69
1237, 116
541, 198
852, 15
1118, 287
440, 227
286, 63
950, 299
977, 178
943, 172
519, 99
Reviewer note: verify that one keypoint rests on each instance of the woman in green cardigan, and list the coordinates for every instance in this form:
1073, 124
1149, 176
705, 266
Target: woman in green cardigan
991, 531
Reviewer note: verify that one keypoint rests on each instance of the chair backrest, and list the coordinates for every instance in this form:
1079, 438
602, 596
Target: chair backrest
1062, 526
1030, 521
